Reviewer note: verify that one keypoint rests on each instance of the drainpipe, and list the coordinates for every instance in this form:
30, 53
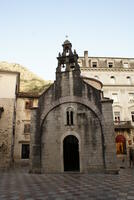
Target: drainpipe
13, 130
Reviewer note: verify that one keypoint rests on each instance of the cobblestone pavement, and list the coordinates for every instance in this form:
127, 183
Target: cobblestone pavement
17, 185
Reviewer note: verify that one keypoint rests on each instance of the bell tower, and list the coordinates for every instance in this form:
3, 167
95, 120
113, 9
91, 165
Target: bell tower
67, 72
68, 60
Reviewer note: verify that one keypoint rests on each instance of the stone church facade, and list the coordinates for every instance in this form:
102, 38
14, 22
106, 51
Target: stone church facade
72, 127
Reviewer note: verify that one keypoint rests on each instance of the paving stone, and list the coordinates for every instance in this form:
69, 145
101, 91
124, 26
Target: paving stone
20, 185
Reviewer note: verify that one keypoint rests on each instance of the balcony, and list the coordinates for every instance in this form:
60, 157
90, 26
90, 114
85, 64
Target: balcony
123, 125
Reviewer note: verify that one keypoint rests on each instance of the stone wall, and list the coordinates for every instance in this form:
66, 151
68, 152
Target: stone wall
109, 137
87, 130
6, 132
49, 128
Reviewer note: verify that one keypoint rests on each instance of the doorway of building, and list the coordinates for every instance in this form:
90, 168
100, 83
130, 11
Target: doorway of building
120, 144
71, 153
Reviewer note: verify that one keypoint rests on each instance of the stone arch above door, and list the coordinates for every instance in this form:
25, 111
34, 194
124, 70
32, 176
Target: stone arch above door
64, 100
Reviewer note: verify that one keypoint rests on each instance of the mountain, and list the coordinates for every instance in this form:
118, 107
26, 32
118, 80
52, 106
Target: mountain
29, 82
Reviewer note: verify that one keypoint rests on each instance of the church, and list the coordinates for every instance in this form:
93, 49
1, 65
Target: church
72, 127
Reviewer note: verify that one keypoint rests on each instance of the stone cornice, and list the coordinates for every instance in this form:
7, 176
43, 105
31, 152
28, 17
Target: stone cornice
114, 69
107, 57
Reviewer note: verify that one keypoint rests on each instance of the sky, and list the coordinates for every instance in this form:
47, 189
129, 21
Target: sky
32, 31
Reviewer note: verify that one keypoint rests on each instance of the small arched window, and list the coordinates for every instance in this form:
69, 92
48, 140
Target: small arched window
72, 117
69, 116
96, 77
63, 67
112, 79
67, 52
128, 79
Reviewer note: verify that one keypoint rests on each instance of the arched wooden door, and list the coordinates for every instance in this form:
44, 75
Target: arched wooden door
71, 153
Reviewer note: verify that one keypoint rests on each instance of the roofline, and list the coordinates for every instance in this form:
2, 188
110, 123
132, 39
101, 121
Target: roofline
109, 57
84, 77
10, 72
13, 72
32, 95
46, 89
27, 95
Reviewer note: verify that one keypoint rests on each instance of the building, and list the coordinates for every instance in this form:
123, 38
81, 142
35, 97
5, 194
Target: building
25, 101
9, 86
72, 128
113, 76
117, 76
19, 91
15, 120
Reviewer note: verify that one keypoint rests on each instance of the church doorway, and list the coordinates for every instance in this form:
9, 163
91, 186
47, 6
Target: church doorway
71, 153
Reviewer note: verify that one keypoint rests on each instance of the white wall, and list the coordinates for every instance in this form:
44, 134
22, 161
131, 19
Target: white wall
121, 86
8, 83
104, 76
